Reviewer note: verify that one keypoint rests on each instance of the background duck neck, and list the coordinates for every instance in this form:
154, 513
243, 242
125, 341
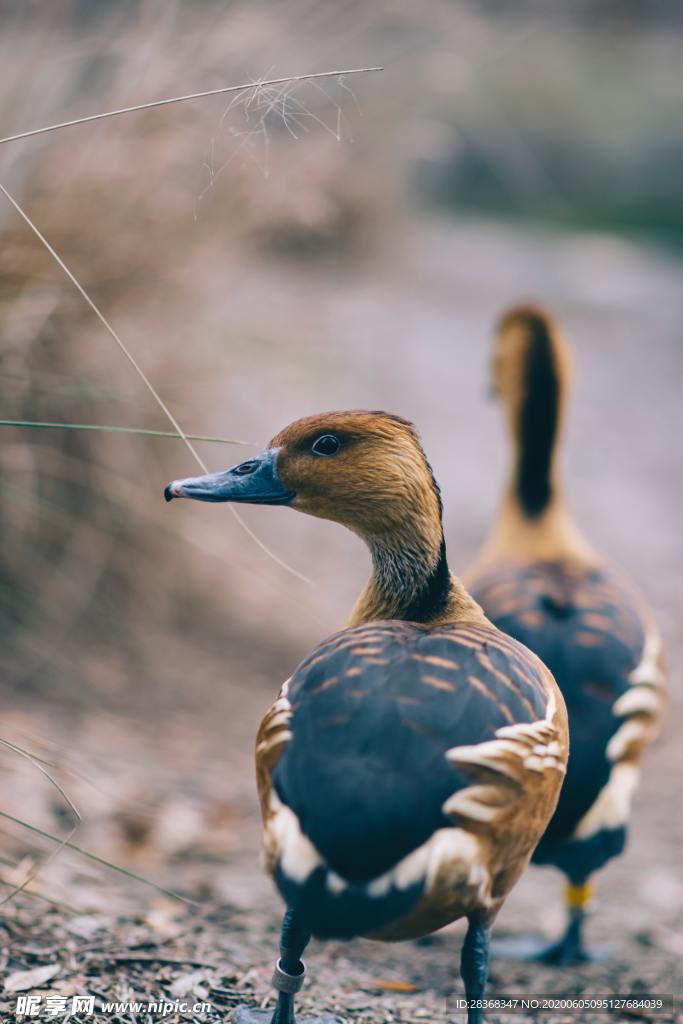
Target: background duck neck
537, 422
550, 536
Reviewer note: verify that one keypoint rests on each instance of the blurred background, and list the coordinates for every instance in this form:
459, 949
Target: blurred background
292, 249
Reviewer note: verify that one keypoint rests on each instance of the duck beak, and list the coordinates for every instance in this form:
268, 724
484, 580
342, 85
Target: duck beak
255, 481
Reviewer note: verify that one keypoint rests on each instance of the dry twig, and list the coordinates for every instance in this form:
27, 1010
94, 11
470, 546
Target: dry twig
98, 860
31, 875
190, 96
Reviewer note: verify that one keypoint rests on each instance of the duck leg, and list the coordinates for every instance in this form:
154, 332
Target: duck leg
288, 977
569, 949
474, 966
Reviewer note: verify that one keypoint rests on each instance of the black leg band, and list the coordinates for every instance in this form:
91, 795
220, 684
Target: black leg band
283, 981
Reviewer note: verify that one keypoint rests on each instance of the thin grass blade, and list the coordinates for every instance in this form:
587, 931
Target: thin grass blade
138, 431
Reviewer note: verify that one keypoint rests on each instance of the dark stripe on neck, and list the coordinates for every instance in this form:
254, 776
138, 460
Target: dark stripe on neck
432, 598
538, 420
408, 583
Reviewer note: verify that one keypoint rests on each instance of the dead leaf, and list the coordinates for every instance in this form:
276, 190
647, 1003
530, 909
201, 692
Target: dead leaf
392, 985
178, 828
162, 919
185, 984
87, 925
19, 981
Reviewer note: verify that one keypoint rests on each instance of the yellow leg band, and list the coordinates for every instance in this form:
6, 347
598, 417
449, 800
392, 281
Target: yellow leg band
577, 896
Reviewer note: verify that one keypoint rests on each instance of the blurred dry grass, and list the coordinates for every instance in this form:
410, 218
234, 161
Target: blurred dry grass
162, 213
308, 275
132, 211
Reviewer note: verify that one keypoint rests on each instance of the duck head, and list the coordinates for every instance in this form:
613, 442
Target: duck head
530, 368
366, 470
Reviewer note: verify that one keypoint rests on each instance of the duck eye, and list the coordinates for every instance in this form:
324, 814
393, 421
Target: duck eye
328, 444
245, 467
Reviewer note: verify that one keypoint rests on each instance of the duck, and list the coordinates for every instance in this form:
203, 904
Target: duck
412, 761
539, 580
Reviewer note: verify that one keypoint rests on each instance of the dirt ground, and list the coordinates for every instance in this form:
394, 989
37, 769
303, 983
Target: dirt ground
164, 781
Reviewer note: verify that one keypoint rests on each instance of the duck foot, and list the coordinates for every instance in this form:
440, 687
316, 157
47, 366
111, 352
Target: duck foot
536, 949
250, 1015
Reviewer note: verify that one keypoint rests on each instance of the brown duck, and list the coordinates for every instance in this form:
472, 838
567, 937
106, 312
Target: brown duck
412, 761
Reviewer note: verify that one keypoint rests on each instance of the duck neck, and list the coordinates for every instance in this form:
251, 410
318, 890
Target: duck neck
534, 521
534, 495
536, 422
411, 581
550, 536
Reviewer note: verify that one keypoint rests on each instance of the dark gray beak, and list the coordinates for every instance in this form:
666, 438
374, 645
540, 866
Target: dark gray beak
254, 481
